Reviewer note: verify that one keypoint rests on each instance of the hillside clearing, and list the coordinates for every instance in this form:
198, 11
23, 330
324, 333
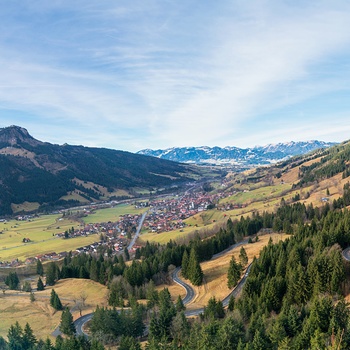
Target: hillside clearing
215, 271
42, 318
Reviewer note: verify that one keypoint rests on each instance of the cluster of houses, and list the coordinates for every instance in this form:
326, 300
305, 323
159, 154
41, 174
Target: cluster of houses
113, 237
168, 214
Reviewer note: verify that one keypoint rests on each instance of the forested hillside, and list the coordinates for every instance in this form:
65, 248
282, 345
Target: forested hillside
34, 171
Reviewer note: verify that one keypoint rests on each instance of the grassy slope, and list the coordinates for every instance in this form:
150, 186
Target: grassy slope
215, 271
40, 315
113, 214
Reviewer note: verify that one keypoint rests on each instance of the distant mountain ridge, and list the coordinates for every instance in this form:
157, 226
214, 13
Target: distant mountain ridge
241, 157
52, 175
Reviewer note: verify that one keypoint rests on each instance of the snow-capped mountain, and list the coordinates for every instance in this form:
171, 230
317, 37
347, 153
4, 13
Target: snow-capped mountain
243, 157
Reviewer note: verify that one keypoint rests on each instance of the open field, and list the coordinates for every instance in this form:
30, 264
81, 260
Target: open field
26, 207
41, 233
40, 315
112, 214
215, 271
55, 244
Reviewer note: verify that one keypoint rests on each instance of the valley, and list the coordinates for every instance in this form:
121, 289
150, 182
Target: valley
298, 206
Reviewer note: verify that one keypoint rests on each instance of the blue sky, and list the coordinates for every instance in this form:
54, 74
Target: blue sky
155, 74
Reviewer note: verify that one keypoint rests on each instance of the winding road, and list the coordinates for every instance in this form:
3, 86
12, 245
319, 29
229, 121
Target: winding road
190, 293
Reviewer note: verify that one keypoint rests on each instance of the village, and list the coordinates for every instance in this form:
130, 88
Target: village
163, 215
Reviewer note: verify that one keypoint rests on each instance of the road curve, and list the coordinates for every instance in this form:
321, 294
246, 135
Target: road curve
79, 323
190, 294
346, 253
189, 290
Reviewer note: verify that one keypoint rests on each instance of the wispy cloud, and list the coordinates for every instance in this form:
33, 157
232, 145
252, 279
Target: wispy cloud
159, 74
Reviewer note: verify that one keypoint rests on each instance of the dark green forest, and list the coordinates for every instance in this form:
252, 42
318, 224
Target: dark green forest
53, 170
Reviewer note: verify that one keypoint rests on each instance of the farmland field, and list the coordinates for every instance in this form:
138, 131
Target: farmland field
112, 214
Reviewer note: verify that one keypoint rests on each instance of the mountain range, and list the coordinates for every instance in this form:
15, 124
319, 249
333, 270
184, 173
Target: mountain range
237, 157
51, 175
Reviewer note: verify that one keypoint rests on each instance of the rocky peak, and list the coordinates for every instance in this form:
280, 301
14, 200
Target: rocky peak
16, 136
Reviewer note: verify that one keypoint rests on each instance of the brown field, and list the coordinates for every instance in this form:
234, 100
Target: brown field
42, 318
215, 271
25, 206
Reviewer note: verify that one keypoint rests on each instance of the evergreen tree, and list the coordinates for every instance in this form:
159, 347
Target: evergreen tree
51, 274
14, 337
128, 343
231, 303
40, 285
55, 301
28, 340
12, 280
195, 273
126, 254
179, 306
184, 264
233, 273
243, 257
39, 268
67, 325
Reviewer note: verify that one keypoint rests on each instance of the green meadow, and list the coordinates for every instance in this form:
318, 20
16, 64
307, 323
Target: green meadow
112, 214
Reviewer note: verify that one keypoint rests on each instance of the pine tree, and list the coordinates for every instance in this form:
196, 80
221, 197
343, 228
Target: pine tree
28, 339
51, 274
55, 301
243, 257
14, 336
195, 273
39, 268
179, 305
184, 264
40, 285
233, 273
12, 280
231, 303
67, 325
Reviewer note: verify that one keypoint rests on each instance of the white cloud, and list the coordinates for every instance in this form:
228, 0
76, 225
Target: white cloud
153, 74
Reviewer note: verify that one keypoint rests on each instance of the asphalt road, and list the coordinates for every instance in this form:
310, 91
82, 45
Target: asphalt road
190, 294
138, 230
346, 254
189, 290
79, 323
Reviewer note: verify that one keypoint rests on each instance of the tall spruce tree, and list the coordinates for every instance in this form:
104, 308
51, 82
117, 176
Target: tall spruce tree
39, 268
184, 264
67, 325
40, 285
234, 273
243, 257
55, 301
195, 273
51, 274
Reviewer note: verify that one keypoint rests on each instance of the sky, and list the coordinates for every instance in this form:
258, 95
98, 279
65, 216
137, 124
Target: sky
138, 74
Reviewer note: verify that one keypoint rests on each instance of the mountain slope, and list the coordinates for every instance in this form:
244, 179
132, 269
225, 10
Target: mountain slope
259, 155
35, 171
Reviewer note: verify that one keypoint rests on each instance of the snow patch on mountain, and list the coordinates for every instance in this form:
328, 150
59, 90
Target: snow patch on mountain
244, 157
